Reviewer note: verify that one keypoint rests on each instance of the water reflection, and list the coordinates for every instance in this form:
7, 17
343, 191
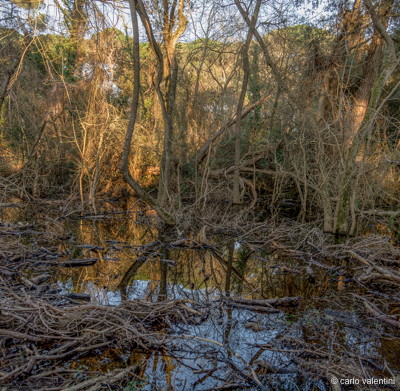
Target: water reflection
138, 262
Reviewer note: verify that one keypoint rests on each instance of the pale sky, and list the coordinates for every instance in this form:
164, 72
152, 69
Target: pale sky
200, 23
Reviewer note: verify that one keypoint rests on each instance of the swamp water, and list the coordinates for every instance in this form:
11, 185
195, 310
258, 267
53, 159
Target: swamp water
232, 339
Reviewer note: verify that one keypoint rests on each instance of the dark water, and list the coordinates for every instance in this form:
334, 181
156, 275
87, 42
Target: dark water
136, 262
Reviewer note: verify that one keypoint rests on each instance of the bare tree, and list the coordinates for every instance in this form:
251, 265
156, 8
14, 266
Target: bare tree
164, 215
246, 72
173, 25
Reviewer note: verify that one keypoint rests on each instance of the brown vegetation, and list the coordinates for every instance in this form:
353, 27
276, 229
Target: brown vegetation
317, 108
245, 118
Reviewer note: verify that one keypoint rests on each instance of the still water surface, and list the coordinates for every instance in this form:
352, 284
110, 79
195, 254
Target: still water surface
136, 262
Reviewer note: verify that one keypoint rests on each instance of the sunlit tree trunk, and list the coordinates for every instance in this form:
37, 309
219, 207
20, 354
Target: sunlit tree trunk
174, 24
246, 71
383, 61
163, 214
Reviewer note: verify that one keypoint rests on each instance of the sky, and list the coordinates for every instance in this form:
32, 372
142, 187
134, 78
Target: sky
208, 19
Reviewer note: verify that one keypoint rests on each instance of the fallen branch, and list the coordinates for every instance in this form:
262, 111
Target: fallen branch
284, 301
385, 272
374, 311
62, 332
251, 307
109, 379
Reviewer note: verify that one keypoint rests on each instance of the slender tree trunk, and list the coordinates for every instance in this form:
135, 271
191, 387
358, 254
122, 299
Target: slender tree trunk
246, 72
236, 185
166, 165
4, 88
163, 214
231, 251
167, 73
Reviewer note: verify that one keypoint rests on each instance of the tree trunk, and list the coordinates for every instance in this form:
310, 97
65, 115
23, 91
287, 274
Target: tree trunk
246, 71
163, 214
167, 73
386, 63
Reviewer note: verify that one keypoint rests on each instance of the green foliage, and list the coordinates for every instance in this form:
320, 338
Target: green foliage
111, 33
394, 228
3, 112
57, 52
302, 34
201, 43
28, 4
133, 385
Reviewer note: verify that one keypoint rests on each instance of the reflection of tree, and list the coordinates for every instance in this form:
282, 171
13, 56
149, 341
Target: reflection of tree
231, 250
163, 294
150, 364
148, 252
167, 366
228, 329
243, 255
128, 276
96, 235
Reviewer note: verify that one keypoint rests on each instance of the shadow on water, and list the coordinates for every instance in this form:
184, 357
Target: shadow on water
138, 262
